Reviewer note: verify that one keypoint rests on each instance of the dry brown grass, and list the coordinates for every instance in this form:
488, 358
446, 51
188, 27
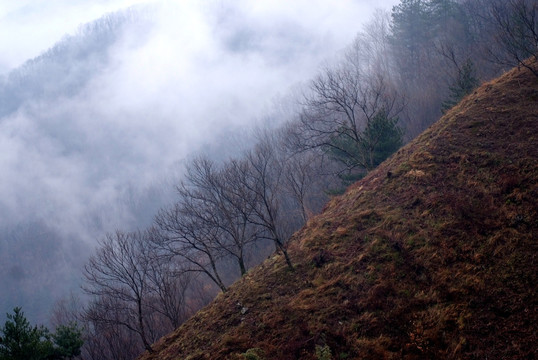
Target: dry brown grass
437, 260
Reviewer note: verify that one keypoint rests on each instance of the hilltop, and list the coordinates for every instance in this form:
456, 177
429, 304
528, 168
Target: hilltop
432, 255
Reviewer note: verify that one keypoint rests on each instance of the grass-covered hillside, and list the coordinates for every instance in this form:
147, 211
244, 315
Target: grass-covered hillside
434, 255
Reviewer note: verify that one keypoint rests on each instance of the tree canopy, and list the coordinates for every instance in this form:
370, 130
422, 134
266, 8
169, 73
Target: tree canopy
19, 340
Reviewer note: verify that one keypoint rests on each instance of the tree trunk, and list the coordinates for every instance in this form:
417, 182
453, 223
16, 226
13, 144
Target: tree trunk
147, 345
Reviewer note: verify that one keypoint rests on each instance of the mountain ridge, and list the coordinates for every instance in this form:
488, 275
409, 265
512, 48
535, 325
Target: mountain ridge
68, 66
431, 255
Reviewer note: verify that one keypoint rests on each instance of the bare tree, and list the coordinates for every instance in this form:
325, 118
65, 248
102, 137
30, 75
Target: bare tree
263, 178
183, 235
230, 208
169, 291
210, 222
104, 337
344, 107
109, 323
103, 340
517, 24
118, 276
372, 46
299, 176
504, 31
305, 174
66, 311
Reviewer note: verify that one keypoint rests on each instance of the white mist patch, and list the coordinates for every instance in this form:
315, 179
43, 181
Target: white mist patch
96, 147
29, 27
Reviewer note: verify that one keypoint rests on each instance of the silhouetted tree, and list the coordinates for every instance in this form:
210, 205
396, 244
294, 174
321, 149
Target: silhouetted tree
169, 289
517, 25
187, 231
105, 336
347, 113
118, 275
263, 178
305, 181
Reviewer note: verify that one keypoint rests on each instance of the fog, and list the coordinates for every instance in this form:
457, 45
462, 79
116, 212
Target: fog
95, 129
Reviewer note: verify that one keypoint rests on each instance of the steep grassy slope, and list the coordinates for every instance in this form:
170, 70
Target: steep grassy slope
432, 255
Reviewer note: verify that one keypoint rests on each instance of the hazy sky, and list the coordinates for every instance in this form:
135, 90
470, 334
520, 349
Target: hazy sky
206, 66
28, 27
89, 161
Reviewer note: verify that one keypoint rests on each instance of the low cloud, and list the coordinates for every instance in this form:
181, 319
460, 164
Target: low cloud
103, 152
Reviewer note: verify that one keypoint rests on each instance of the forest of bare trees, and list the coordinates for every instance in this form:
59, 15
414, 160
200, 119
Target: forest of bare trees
402, 71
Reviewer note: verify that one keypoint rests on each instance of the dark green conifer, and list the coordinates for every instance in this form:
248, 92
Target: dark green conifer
464, 84
19, 340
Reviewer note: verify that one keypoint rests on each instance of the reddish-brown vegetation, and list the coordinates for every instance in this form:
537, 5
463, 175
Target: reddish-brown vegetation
432, 255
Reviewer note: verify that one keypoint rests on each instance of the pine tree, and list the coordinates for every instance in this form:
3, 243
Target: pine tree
379, 139
21, 341
68, 341
464, 84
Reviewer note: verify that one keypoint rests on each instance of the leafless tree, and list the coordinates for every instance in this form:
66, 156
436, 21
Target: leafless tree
505, 32
343, 101
264, 178
231, 210
517, 24
169, 288
299, 175
102, 340
210, 221
105, 338
372, 47
306, 174
184, 236
66, 311
117, 275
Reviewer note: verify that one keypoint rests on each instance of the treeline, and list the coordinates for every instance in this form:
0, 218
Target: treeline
400, 74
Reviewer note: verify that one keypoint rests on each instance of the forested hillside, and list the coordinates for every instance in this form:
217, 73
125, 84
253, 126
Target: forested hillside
427, 254
67, 67
431, 255
404, 70
46, 143
95, 131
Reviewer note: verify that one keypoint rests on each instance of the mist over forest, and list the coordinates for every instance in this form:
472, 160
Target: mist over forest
155, 154
94, 131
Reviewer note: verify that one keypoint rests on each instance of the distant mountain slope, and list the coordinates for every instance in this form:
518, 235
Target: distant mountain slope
39, 259
70, 64
432, 255
94, 132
